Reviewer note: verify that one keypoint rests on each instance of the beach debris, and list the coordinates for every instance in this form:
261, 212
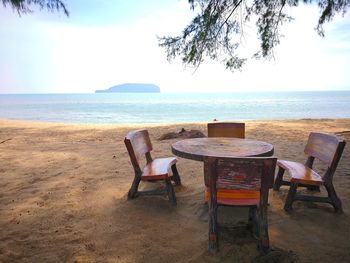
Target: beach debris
342, 133
5, 140
183, 134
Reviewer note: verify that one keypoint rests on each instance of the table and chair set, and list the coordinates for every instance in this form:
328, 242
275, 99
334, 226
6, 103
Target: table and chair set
238, 172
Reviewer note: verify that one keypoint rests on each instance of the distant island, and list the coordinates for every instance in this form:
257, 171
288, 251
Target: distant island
132, 88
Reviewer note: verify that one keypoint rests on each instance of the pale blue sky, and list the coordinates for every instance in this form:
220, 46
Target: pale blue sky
105, 43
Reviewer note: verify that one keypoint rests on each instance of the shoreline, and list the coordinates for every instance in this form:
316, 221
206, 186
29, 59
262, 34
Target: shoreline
154, 124
64, 199
182, 108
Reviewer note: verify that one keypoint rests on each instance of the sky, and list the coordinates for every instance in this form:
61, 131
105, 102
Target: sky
105, 43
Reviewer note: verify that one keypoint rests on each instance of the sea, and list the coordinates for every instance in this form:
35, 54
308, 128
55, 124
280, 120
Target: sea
118, 108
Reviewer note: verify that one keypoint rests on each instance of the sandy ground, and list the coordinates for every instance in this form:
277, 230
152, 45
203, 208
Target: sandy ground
63, 199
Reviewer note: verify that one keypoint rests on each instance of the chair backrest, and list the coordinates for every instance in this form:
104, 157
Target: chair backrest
138, 144
326, 147
226, 129
251, 173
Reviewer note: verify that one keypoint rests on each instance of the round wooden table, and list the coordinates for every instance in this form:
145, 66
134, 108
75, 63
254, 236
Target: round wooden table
198, 148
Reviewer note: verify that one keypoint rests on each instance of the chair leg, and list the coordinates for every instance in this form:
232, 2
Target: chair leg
213, 228
252, 221
336, 202
176, 176
170, 190
134, 187
264, 242
290, 197
279, 179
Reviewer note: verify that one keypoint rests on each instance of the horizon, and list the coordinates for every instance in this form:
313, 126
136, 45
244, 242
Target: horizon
176, 92
115, 43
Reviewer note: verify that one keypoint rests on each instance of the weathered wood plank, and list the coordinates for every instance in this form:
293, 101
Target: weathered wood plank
226, 129
301, 173
322, 146
158, 168
140, 142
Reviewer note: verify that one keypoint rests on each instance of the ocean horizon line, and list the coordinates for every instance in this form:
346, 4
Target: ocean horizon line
172, 92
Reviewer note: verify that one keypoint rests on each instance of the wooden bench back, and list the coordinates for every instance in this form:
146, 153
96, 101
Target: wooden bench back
226, 129
326, 147
138, 144
252, 173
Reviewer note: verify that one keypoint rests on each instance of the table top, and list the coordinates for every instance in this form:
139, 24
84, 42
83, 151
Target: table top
198, 148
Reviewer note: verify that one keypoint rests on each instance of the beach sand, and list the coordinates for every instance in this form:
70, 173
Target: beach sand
63, 198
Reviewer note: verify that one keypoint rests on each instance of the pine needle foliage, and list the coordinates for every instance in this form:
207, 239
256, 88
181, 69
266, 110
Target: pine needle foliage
24, 6
217, 29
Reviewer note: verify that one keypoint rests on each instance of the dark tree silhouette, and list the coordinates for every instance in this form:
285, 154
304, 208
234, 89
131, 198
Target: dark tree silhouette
24, 6
216, 30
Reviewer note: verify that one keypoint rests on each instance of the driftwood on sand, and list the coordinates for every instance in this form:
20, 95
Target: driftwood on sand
5, 140
183, 134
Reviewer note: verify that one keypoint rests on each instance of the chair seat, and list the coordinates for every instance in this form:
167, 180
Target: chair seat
235, 197
300, 173
158, 169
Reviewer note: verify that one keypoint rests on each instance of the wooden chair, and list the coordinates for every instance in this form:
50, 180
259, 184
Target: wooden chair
239, 182
139, 145
327, 148
226, 129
